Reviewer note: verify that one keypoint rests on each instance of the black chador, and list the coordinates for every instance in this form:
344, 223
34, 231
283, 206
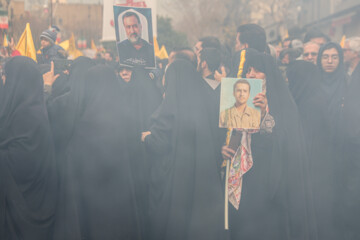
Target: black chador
139, 98
275, 199
28, 185
98, 162
191, 200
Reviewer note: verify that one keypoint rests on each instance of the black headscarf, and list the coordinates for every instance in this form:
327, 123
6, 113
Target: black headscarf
98, 163
28, 176
275, 189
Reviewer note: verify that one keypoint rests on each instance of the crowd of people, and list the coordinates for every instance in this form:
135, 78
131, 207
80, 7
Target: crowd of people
98, 150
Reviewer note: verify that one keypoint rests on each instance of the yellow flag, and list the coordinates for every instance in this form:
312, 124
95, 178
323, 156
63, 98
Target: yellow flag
70, 47
93, 46
65, 45
286, 35
163, 53
156, 47
5, 43
26, 44
342, 42
73, 51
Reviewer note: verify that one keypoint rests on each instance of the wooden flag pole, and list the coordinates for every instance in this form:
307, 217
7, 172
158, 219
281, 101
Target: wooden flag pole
227, 195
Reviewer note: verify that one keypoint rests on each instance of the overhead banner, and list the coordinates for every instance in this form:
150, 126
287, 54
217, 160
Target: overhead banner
108, 15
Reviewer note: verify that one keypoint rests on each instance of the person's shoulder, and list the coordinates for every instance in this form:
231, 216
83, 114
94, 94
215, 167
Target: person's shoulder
57, 51
227, 111
123, 43
145, 43
58, 47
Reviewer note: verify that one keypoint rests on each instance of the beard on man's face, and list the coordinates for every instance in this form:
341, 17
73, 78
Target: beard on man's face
134, 38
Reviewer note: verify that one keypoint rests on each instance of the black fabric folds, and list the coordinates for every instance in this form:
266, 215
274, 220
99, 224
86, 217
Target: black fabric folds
276, 197
63, 113
140, 97
349, 189
304, 83
63, 108
191, 203
28, 190
98, 163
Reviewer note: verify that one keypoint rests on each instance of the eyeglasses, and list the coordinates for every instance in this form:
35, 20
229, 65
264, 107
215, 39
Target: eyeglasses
333, 57
313, 54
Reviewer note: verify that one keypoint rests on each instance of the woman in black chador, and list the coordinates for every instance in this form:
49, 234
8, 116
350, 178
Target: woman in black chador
28, 187
139, 97
98, 163
333, 83
190, 201
63, 108
304, 84
275, 198
63, 111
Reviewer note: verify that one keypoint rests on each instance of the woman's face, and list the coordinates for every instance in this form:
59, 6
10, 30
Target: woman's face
330, 60
253, 73
125, 74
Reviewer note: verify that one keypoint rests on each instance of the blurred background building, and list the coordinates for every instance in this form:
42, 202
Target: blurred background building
194, 19
81, 17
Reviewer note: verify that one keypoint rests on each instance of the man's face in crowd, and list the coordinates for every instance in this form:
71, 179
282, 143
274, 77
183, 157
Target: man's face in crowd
125, 74
286, 44
330, 60
311, 52
349, 55
198, 48
253, 73
241, 93
133, 29
44, 43
321, 41
108, 57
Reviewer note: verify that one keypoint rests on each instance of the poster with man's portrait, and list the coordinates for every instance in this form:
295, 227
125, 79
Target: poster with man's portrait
236, 103
134, 36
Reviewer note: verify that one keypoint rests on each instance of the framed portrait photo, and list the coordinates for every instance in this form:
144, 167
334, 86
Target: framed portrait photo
236, 103
134, 36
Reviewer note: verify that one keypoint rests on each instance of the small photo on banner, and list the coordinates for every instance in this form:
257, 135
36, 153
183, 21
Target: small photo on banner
134, 36
236, 103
